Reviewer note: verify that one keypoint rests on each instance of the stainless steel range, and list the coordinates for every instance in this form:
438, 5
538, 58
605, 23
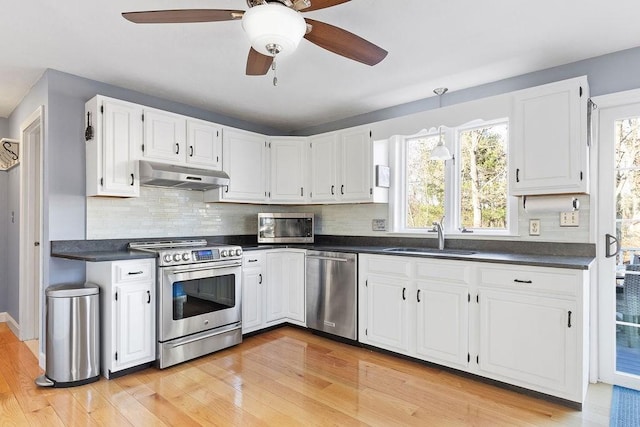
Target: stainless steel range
199, 298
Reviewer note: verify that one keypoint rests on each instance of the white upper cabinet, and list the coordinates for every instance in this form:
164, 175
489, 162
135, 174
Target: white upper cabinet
111, 169
244, 157
288, 172
179, 140
323, 167
549, 152
204, 144
343, 166
164, 136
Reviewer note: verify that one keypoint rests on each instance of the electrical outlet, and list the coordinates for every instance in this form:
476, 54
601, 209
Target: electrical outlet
379, 225
534, 227
569, 219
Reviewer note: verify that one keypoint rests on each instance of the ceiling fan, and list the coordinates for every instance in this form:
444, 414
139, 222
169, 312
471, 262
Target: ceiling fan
275, 28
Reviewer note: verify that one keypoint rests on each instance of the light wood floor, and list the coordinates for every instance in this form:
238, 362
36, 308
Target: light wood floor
283, 377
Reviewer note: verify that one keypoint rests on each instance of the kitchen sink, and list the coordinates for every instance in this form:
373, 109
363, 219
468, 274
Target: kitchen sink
430, 251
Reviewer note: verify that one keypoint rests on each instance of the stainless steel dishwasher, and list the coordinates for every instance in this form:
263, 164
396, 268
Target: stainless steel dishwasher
332, 301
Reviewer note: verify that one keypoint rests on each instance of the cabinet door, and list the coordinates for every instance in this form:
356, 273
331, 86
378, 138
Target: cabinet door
355, 166
276, 296
122, 139
295, 284
529, 340
288, 171
135, 325
204, 144
323, 168
387, 312
549, 147
442, 326
252, 293
164, 136
243, 158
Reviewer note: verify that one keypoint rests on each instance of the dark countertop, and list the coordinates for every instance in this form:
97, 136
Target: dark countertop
99, 256
556, 261
557, 255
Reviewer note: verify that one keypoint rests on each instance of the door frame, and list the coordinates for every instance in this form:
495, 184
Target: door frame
604, 294
30, 294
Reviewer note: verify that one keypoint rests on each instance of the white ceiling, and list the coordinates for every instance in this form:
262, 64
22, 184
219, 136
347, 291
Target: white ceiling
431, 43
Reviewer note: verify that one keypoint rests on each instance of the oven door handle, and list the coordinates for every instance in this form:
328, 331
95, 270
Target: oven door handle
210, 267
202, 336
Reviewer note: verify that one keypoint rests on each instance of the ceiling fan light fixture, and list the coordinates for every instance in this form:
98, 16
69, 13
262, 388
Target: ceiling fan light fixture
270, 25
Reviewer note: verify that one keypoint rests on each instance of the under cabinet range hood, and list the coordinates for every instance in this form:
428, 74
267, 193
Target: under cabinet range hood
164, 175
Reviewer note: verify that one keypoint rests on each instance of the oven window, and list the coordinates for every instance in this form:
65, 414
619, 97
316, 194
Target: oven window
201, 296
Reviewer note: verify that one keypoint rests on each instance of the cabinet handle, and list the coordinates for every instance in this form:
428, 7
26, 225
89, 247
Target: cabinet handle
302, 191
518, 175
177, 148
148, 297
342, 189
226, 188
133, 273
252, 260
418, 295
569, 320
333, 188
404, 292
260, 279
191, 151
132, 180
522, 281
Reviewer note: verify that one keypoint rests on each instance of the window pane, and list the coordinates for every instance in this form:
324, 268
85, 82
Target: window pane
627, 137
425, 183
483, 184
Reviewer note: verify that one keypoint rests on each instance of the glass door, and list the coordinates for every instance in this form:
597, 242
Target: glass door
619, 256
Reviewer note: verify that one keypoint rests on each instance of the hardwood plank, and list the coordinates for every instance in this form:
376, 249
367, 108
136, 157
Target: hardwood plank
282, 377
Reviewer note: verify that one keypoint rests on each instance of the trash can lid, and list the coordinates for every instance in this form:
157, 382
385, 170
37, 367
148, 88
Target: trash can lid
68, 290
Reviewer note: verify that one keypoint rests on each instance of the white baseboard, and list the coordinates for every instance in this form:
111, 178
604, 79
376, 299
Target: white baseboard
13, 325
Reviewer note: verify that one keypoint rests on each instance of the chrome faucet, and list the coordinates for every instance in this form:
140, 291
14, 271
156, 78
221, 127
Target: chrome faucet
437, 227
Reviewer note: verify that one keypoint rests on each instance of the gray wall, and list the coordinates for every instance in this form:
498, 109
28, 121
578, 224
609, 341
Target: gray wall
4, 243
610, 73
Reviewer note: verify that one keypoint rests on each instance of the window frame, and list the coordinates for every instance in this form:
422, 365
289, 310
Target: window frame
452, 176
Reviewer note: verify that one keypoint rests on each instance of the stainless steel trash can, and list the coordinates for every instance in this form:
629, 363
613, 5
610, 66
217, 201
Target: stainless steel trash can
73, 335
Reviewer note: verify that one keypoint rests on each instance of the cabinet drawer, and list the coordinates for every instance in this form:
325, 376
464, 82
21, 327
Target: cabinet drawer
133, 271
253, 258
388, 265
445, 271
536, 279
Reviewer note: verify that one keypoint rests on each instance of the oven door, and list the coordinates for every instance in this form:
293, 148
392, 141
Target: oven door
196, 298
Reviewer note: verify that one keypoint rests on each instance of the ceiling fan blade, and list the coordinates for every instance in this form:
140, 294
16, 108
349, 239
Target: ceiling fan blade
322, 4
257, 63
344, 43
182, 16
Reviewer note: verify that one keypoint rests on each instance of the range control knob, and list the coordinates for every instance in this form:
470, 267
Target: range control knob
176, 257
167, 258
238, 252
185, 256
224, 253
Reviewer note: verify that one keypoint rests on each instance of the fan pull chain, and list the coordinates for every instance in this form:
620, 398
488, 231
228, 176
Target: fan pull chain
275, 75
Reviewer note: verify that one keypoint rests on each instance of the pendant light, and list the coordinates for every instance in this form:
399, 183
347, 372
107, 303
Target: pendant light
440, 151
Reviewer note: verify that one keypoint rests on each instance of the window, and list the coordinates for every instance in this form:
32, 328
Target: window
470, 191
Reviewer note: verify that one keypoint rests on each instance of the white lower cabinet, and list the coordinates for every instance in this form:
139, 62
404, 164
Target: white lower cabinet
520, 325
532, 328
273, 288
128, 301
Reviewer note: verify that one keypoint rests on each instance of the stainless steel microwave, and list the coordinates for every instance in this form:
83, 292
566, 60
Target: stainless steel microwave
285, 228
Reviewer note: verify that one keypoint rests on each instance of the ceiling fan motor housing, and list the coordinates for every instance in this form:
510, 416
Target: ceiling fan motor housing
267, 25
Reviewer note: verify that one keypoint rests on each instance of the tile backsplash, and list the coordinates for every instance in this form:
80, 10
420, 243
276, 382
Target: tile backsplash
164, 212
